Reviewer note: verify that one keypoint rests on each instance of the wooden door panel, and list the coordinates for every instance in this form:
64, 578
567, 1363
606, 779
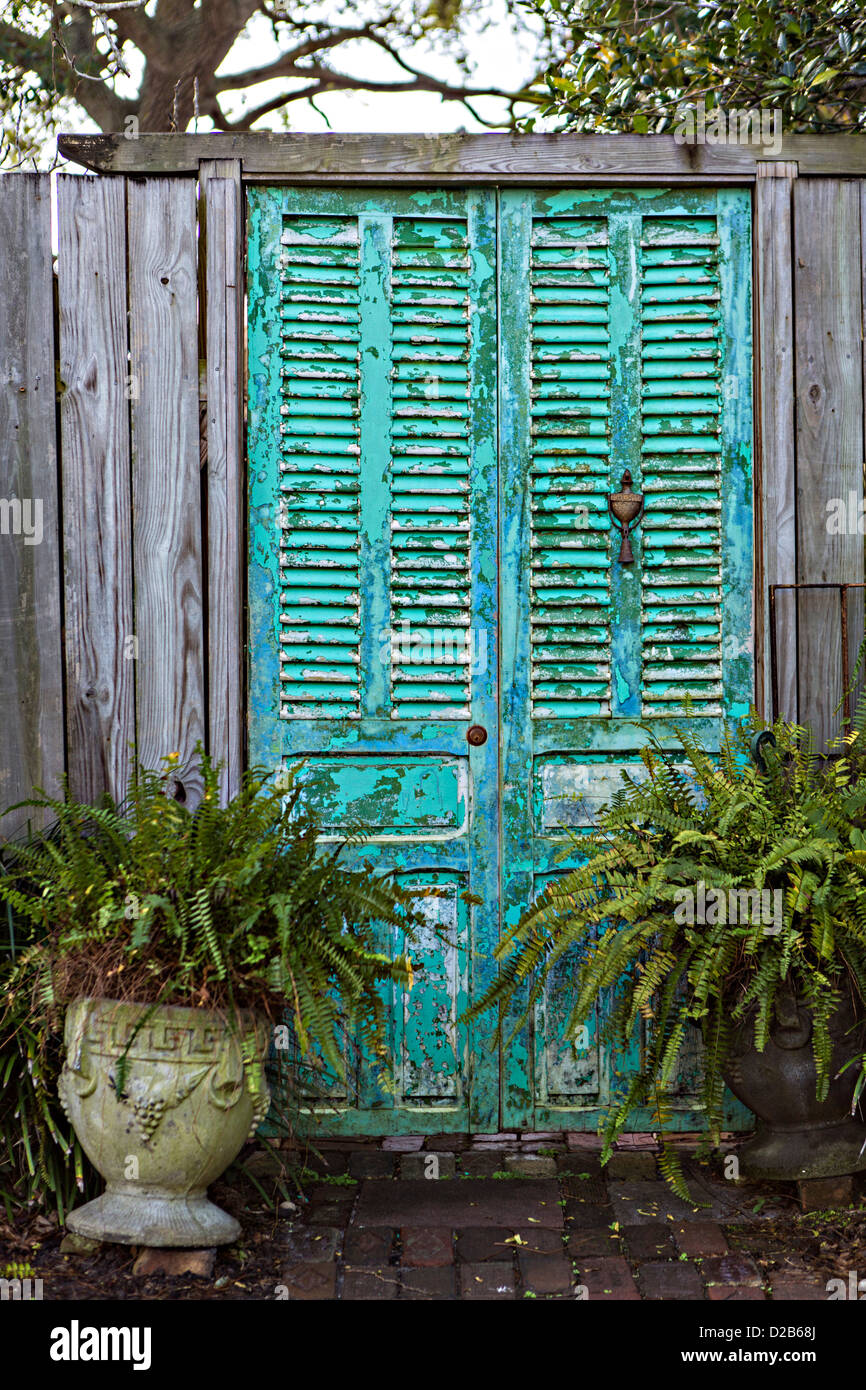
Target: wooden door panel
631, 350
442, 391
373, 588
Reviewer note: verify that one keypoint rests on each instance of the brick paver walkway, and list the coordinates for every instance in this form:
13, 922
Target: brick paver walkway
525, 1216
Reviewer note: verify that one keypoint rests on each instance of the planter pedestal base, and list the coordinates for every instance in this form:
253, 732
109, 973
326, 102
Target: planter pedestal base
789, 1155
193, 1091
131, 1218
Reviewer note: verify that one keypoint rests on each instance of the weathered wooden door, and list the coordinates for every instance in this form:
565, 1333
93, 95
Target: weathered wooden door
625, 344
443, 387
373, 606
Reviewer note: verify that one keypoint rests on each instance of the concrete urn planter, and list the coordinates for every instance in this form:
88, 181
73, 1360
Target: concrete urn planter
186, 1107
798, 1136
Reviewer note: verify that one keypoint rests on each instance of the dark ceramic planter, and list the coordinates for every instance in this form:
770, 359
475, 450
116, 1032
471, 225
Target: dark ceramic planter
798, 1136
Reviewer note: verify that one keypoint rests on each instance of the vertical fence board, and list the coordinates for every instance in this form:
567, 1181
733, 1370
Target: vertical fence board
31, 677
165, 475
773, 207
857, 619
225, 307
829, 395
97, 518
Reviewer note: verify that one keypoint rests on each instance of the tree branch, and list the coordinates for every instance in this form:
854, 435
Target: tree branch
328, 81
183, 45
133, 26
24, 50
284, 66
245, 122
35, 53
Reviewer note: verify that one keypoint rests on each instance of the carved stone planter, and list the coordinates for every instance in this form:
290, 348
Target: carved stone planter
798, 1136
186, 1107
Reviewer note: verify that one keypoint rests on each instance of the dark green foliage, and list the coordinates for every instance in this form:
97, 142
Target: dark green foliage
40, 1156
227, 908
623, 913
631, 63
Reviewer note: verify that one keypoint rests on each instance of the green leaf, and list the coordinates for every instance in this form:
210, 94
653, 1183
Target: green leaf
826, 76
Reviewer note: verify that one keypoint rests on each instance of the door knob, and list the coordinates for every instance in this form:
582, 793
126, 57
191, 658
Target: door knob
476, 736
626, 509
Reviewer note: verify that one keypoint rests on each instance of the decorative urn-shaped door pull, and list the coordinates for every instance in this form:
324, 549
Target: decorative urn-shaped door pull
626, 509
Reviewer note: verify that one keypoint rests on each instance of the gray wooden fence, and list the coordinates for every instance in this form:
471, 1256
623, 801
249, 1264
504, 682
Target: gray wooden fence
121, 416
810, 238
121, 630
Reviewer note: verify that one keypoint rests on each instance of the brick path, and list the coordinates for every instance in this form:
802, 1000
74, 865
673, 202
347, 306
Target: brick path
524, 1216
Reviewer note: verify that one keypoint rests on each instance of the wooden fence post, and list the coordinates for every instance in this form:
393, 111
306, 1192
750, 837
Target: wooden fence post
222, 201
101, 640
776, 512
829, 402
166, 492
31, 673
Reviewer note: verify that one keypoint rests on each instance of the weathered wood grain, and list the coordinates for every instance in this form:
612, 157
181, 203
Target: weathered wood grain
170, 707
490, 158
829, 397
97, 512
209, 169
776, 169
857, 600
218, 169
225, 308
775, 420
31, 678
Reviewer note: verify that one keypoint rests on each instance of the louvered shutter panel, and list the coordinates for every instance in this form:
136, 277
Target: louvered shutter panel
431, 448
681, 451
319, 468
570, 466
386, 330
630, 347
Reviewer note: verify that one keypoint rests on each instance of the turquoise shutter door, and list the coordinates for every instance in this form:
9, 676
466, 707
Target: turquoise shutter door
372, 586
624, 344
378, 520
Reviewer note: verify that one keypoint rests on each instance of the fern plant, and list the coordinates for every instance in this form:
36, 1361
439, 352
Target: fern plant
228, 907
790, 826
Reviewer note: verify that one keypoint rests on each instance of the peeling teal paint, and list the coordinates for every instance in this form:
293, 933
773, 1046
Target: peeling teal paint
626, 642
373, 417
443, 387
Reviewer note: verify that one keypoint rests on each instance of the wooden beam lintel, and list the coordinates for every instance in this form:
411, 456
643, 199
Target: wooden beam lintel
485, 158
